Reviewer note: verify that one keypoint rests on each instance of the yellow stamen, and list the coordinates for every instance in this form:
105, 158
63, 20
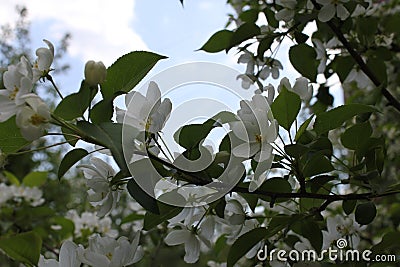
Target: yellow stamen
36, 119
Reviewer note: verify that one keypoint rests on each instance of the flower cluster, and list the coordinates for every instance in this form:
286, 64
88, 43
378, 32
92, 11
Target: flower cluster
101, 252
32, 114
88, 223
20, 193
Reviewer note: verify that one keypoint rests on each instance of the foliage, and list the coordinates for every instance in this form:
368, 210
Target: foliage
310, 176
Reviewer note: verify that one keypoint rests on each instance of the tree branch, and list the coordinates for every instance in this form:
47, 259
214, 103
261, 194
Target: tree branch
363, 66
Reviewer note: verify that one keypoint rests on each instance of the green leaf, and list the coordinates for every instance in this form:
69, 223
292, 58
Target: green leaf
67, 227
296, 150
24, 247
11, 178
342, 66
127, 72
145, 200
356, 136
302, 128
189, 136
275, 185
11, 139
378, 67
244, 243
132, 217
151, 220
102, 111
286, 107
74, 105
243, 33
310, 230
348, 206
334, 118
70, 159
250, 15
106, 134
317, 164
390, 241
219, 41
35, 179
365, 213
303, 58
272, 21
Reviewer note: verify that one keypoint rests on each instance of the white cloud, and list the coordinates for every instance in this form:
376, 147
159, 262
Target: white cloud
101, 29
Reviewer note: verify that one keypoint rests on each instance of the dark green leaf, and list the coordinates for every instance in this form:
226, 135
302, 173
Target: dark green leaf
106, 134
24, 247
244, 243
365, 213
219, 41
264, 45
378, 67
334, 118
310, 230
348, 206
132, 217
70, 159
317, 164
272, 21
302, 128
243, 33
74, 105
300, 37
35, 179
342, 66
303, 59
145, 200
296, 150
102, 111
127, 72
286, 107
167, 212
11, 139
275, 185
389, 242
250, 15
356, 136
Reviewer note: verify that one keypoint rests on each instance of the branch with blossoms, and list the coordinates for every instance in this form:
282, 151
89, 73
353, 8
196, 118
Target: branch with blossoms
275, 178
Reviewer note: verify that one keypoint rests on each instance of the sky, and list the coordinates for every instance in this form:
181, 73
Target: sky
103, 30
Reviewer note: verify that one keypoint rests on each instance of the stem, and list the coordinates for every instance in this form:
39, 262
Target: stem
54, 85
166, 147
42, 148
363, 66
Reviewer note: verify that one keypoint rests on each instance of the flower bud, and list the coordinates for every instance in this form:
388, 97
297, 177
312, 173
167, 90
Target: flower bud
95, 73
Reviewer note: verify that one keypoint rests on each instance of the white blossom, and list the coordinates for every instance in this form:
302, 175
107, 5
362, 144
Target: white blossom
33, 118
88, 221
246, 80
146, 113
342, 227
42, 65
17, 82
192, 238
68, 257
332, 7
257, 131
101, 193
108, 252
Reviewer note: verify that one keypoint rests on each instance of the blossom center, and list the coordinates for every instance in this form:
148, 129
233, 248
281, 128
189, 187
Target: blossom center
258, 138
13, 94
36, 119
148, 124
109, 255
